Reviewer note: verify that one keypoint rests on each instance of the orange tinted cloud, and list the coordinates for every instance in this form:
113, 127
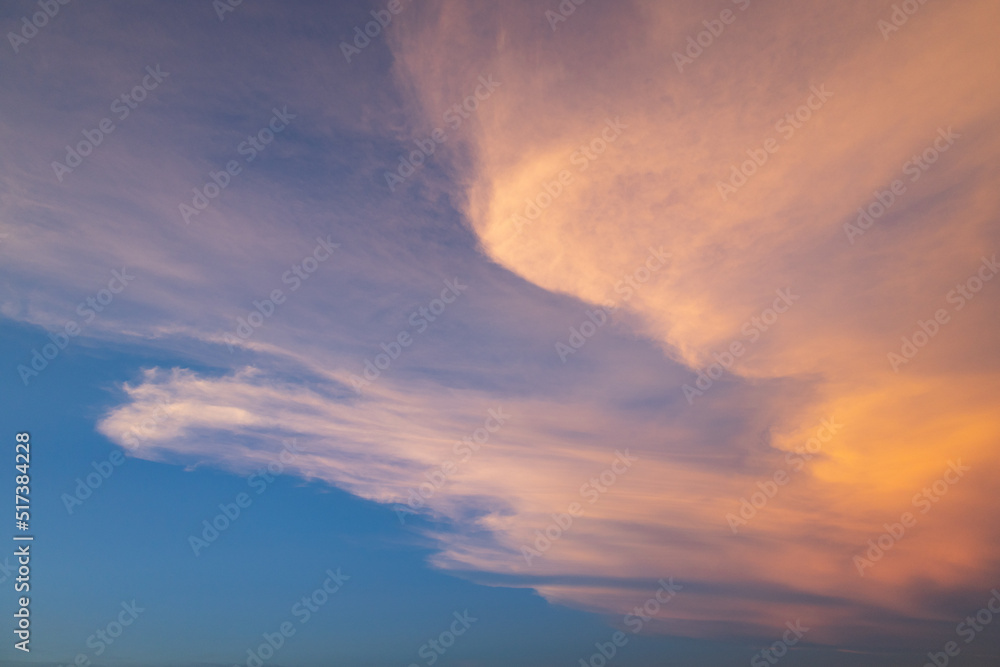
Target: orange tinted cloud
622, 155
843, 113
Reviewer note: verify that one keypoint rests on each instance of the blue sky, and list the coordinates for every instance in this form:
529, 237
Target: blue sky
530, 308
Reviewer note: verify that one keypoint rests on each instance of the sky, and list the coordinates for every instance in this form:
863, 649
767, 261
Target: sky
418, 332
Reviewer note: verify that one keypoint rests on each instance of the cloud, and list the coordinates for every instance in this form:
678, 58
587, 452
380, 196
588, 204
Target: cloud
645, 147
886, 102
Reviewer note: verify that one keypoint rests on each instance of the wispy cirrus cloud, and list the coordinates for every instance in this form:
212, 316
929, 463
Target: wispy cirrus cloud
655, 185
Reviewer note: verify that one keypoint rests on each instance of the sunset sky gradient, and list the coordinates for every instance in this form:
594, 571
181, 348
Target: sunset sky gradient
601, 272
